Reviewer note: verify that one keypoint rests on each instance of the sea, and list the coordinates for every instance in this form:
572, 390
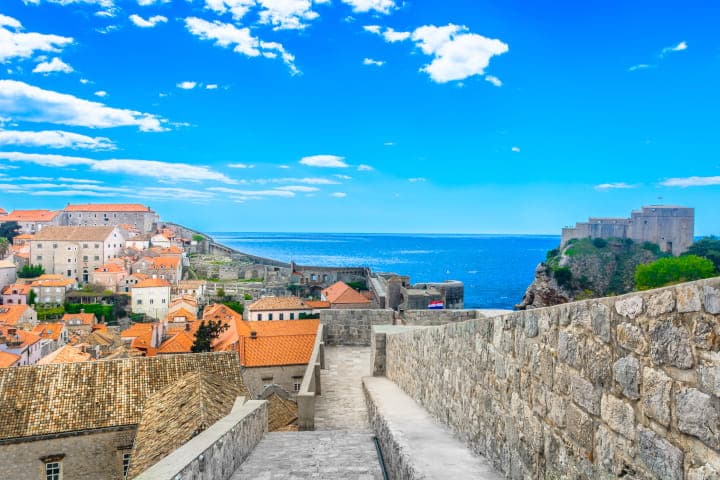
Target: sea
496, 269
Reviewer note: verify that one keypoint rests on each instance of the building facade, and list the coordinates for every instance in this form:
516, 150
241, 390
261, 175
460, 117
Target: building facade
670, 227
151, 297
32, 221
138, 216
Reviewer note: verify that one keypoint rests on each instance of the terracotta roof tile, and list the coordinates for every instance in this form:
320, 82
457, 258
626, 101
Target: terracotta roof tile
24, 338
342, 293
11, 314
8, 359
74, 234
152, 282
51, 331
30, 216
278, 303
110, 268
108, 207
280, 342
67, 397
83, 318
181, 342
19, 288
317, 304
164, 263
66, 354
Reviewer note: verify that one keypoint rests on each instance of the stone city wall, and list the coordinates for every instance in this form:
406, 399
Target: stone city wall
437, 317
604, 388
352, 327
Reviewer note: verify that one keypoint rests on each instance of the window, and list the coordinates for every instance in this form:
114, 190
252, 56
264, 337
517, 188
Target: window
267, 381
259, 316
297, 382
85, 258
139, 302
54, 245
39, 257
163, 300
269, 316
292, 316
97, 258
85, 245
152, 301
282, 316
125, 463
97, 245
39, 245
52, 471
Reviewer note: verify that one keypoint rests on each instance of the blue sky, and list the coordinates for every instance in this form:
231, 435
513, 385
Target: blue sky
362, 115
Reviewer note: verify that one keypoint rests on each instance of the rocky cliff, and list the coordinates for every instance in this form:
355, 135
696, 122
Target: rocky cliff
587, 268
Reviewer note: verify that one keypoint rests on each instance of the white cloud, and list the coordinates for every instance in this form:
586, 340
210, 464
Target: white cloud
149, 23
393, 36
144, 168
389, 144
240, 165
677, 48
691, 182
54, 139
240, 40
370, 61
494, 80
343, 177
376, 29
187, 85
457, 54
338, 194
306, 181
147, 3
641, 66
417, 180
254, 193
299, 188
17, 44
327, 161
286, 14
167, 193
100, 3
33, 104
379, 6
100, 93
53, 66
77, 180
237, 8
107, 29
364, 168
85, 81
515, 149
211, 86
603, 187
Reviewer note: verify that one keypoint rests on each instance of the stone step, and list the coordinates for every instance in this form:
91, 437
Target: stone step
330, 454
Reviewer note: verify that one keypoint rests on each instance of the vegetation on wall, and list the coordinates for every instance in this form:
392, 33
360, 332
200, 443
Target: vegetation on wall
707, 247
670, 270
31, 271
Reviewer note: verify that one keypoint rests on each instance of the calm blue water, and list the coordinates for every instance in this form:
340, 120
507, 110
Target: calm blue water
496, 269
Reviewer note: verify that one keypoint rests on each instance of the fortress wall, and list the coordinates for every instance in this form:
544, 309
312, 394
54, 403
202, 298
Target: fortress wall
622, 386
438, 317
352, 327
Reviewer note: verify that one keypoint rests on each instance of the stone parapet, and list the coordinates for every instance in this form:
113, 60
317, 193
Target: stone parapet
353, 327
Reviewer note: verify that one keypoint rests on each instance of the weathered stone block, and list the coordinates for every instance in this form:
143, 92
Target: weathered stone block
663, 302
556, 408
600, 318
655, 390
631, 337
599, 363
571, 349
711, 299
580, 427
618, 415
660, 456
629, 307
709, 379
585, 394
612, 450
698, 416
531, 324
706, 333
627, 373
670, 345
706, 472
688, 299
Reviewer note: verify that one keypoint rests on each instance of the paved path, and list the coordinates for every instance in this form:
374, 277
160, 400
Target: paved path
329, 455
342, 403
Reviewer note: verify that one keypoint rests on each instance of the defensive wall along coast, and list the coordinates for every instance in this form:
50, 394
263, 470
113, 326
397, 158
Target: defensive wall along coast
617, 387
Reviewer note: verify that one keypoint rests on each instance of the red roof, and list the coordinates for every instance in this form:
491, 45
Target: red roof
30, 216
8, 359
342, 293
279, 342
108, 207
152, 282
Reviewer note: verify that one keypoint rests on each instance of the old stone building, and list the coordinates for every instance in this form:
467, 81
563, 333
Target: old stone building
65, 418
138, 216
151, 297
32, 221
670, 227
75, 252
341, 295
277, 308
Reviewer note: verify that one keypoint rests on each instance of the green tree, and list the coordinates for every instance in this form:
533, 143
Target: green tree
4, 247
197, 237
31, 271
9, 230
220, 292
707, 247
237, 306
206, 333
31, 297
669, 270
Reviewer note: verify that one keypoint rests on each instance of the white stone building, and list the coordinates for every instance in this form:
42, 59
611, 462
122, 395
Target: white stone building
151, 297
277, 308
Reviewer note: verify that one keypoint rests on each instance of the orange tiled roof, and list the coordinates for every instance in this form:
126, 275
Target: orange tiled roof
65, 354
108, 207
30, 216
136, 330
139, 275
50, 281
342, 293
152, 282
278, 303
26, 338
50, 331
85, 318
317, 304
281, 342
2, 211
8, 359
141, 334
11, 314
163, 263
20, 288
182, 312
192, 327
23, 236
110, 268
181, 342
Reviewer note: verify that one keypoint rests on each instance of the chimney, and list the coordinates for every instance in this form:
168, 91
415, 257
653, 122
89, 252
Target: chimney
253, 334
82, 310
187, 326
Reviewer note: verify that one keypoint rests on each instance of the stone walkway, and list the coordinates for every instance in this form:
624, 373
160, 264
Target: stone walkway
328, 455
342, 403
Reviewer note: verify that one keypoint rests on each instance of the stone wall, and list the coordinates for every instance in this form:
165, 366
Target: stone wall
86, 456
352, 327
216, 453
437, 317
624, 386
255, 378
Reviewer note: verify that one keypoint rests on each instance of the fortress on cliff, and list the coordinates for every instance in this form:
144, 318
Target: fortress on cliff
670, 227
